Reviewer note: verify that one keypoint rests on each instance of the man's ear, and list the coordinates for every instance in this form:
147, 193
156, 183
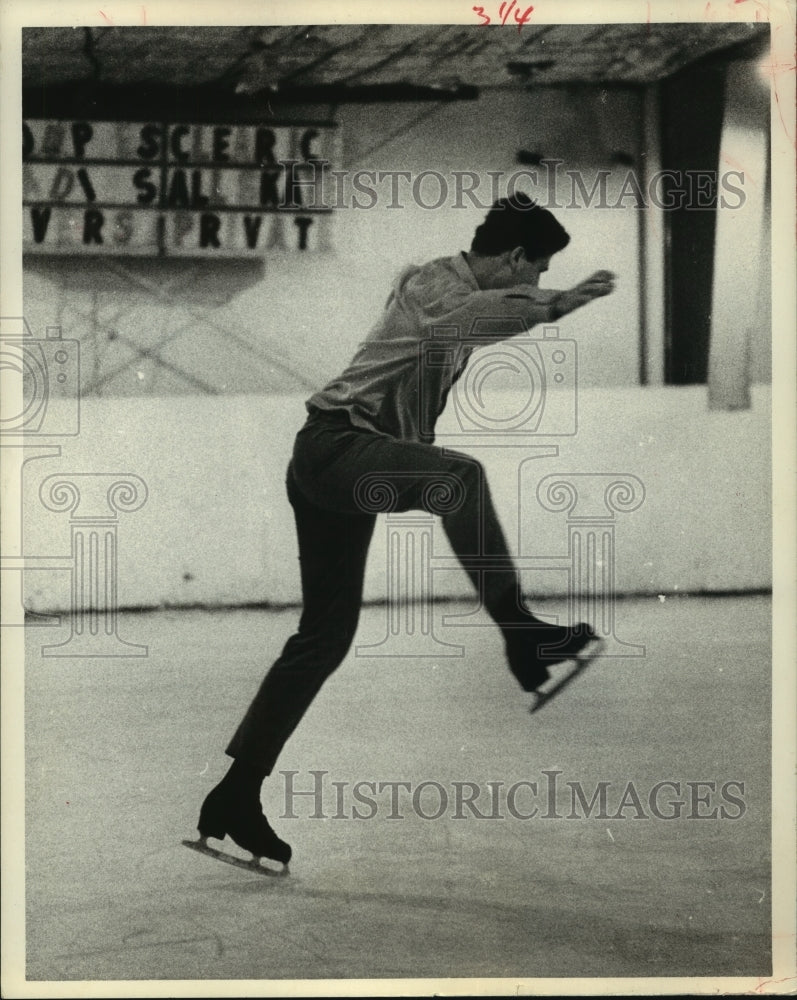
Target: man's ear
517, 256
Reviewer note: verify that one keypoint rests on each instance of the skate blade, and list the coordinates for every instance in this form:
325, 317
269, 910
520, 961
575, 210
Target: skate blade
252, 865
583, 660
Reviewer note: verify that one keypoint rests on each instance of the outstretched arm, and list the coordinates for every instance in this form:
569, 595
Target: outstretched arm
521, 304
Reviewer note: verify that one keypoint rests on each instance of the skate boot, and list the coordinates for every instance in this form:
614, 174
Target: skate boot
227, 812
534, 646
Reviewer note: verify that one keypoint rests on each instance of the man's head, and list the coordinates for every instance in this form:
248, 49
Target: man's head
518, 238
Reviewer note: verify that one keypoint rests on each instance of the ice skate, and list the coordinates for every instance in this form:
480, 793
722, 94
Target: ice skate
582, 660
532, 649
543, 645
241, 818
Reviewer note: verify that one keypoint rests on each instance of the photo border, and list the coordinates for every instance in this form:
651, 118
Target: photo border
16, 13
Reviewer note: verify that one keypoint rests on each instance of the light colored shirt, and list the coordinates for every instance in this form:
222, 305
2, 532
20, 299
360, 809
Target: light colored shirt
435, 317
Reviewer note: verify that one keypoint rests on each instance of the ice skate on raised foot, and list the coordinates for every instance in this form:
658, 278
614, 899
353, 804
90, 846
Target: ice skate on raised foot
536, 645
225, 813
583, 650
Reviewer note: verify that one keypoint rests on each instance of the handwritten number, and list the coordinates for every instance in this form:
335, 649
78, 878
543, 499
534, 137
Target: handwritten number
522, 18
504, 17
504, 12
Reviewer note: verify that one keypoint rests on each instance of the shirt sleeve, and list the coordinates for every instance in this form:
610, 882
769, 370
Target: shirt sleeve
496, 311
514, 309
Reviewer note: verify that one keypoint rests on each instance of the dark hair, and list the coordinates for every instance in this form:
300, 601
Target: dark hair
519, 222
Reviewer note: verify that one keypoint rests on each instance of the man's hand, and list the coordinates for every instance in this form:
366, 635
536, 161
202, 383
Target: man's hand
599, 284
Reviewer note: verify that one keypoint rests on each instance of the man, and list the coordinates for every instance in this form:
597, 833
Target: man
366, 447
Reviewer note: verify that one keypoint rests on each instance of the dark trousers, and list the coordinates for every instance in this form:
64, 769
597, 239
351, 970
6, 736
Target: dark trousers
339, 479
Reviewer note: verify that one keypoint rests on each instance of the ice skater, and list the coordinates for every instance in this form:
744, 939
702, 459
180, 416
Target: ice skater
374, 424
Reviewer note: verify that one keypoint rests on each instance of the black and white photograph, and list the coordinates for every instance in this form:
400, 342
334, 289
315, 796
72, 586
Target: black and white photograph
398, 465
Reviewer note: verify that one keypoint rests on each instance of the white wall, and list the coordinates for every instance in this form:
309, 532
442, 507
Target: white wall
217, 528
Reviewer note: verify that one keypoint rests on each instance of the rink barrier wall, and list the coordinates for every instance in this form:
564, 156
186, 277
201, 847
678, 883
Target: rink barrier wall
215, 527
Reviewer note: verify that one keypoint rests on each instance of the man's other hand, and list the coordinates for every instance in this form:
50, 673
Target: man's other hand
597, 285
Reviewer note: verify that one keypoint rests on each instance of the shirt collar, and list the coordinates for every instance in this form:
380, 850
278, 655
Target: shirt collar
462, 268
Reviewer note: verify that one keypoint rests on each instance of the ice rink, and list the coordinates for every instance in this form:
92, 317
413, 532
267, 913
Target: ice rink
121, 752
